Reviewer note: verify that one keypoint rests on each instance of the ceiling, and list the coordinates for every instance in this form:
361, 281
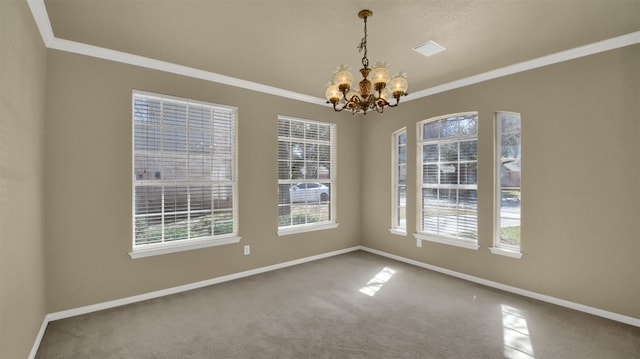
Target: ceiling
295, 45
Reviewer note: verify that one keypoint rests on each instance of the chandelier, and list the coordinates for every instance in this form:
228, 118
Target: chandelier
340, 94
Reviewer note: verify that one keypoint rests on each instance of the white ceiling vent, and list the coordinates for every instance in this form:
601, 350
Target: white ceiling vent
429, 48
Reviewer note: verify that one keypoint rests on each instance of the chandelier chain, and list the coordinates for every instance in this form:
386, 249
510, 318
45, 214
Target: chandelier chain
363, 45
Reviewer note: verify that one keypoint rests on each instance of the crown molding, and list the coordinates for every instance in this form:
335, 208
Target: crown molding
146, 62
41, 17
591, 49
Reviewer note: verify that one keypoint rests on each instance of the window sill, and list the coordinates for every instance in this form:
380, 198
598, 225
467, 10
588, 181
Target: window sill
187, 245
505, 252
398, 232
452, 242
306, 228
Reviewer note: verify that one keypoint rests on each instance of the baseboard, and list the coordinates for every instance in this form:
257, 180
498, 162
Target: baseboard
507, 288
36, 344
183, 288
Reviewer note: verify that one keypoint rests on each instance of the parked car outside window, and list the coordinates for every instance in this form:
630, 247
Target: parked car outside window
309, 192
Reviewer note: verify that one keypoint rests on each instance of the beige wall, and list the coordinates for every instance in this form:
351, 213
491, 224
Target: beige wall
581, 171
22, 103
581, 202
88, 184
580, 229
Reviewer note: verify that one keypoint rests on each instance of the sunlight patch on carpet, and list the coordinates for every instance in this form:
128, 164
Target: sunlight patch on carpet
517, 342
374, 285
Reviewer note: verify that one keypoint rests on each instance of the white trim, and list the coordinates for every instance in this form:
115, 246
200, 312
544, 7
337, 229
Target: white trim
332, 180
420, 185
293, 118
174, 290
507, 288
183, 100
183, 288
395, 179
505, 252
38, 340
180, 246
499, 248
146, 62
41, 18
571, 54
399, 232
497, 186
443, 240
302, 228
146, 250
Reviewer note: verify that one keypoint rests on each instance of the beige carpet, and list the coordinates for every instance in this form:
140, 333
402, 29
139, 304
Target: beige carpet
356, 305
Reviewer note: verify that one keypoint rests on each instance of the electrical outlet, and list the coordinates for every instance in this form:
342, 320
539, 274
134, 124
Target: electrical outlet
247, 250
419, 243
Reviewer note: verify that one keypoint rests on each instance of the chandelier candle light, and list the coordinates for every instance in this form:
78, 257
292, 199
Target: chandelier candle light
341, 96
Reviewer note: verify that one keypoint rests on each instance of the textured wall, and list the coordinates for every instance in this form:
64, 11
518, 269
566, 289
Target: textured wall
88, 186
581, 170
22, 104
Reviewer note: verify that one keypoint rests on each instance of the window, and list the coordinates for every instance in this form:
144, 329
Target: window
508, 162
399, 180
306, 173
448, 180
184, 179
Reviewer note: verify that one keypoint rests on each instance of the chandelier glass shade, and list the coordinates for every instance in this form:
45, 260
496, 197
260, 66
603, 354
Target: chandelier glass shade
374, 91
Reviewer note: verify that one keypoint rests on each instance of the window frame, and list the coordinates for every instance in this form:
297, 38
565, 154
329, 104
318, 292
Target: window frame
499, 248
396, 206
319, 225
420, 142
164, 247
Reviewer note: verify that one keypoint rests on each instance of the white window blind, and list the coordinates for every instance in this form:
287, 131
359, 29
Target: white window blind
306, 172
184, 185
447, 177
399, 174
509, 160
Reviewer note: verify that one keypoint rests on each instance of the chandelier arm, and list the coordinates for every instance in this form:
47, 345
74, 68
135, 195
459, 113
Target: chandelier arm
397, 102
356, 101
370, 104
344, 96
371, 100
382, 102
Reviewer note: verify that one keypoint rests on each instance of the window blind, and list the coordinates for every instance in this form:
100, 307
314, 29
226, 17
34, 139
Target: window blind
448, 178
184, 169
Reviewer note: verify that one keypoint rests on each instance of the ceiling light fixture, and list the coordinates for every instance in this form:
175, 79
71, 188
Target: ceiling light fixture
339, 92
